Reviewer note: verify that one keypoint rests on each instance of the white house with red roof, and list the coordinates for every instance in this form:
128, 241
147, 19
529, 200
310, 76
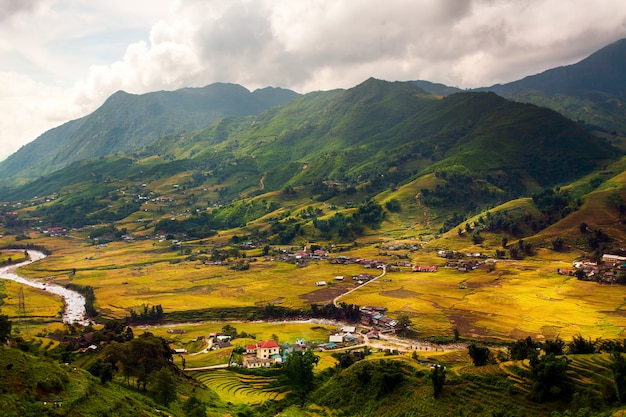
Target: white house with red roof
262, 354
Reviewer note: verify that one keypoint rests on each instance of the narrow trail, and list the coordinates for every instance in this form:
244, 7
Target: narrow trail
262, 183
336, 299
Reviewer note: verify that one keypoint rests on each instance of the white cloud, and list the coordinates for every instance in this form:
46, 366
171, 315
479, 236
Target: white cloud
305, 45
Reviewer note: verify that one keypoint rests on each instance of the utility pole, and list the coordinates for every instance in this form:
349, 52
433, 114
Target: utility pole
21, 310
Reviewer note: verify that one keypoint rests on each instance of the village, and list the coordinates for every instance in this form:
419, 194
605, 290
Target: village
374, 326
607, 271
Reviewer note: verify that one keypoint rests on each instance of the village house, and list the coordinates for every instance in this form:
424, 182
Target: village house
425, 268
614, 259
262, 355
335, 338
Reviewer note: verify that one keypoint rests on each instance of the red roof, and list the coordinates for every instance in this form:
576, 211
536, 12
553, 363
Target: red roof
267, 344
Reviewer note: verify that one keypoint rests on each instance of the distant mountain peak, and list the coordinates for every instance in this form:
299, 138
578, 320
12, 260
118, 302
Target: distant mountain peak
126, 122
602, 71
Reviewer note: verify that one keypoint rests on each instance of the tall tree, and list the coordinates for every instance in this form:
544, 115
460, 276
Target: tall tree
148, 354
618, 366
438, 379
5, 327
549, 377
299, 370
404, 323
163, 386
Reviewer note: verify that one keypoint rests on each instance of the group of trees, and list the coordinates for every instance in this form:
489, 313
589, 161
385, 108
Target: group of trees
146, 315
345, 312
460, 189
139, 358
345, 227
555, 204
84, 211
231, 331
549, 372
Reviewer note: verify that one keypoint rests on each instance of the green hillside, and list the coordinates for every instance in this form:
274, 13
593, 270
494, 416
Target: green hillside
461, 154
592, 91
127, 122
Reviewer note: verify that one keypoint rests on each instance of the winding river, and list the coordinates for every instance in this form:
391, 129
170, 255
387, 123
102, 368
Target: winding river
74, 312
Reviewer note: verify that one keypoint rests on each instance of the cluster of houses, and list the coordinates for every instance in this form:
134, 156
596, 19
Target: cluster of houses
604, 271
345, 335
56, 232
300, 257
375, 316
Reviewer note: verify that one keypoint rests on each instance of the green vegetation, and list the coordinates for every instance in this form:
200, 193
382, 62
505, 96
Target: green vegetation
290, 215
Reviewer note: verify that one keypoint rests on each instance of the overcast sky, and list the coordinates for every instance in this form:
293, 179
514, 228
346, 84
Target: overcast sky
60, 59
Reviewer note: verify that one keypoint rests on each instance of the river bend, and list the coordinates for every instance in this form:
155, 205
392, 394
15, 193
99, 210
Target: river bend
74, 311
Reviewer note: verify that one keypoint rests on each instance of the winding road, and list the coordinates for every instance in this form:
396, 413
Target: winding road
74, 310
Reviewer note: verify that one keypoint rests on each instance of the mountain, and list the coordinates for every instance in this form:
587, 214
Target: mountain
436, 89
461, 152
127, 122
602, 72
383, 133
592, 91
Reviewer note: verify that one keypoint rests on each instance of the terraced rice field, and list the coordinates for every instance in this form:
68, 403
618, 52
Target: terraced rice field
240, 388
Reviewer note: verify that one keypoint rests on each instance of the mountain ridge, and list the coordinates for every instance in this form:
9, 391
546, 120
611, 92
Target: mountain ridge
126, 122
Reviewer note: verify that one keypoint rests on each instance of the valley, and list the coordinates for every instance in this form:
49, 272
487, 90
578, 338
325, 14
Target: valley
465, 236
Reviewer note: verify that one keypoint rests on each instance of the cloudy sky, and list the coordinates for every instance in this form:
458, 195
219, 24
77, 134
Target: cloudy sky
60, 59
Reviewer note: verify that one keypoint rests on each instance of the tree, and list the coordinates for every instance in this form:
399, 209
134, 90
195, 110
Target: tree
438, 378
523, 349
393, 205
117, 354
101, 369
298, 369
163, 386
229, 330
579, 345
193, 407
476, 237
618, 366
371, 214
147, 354
404, 323
557, 243
479, 354
5, 327
549, 377
553, 346
580, 274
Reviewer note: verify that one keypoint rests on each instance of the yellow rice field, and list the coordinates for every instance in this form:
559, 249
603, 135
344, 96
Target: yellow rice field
517, 299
